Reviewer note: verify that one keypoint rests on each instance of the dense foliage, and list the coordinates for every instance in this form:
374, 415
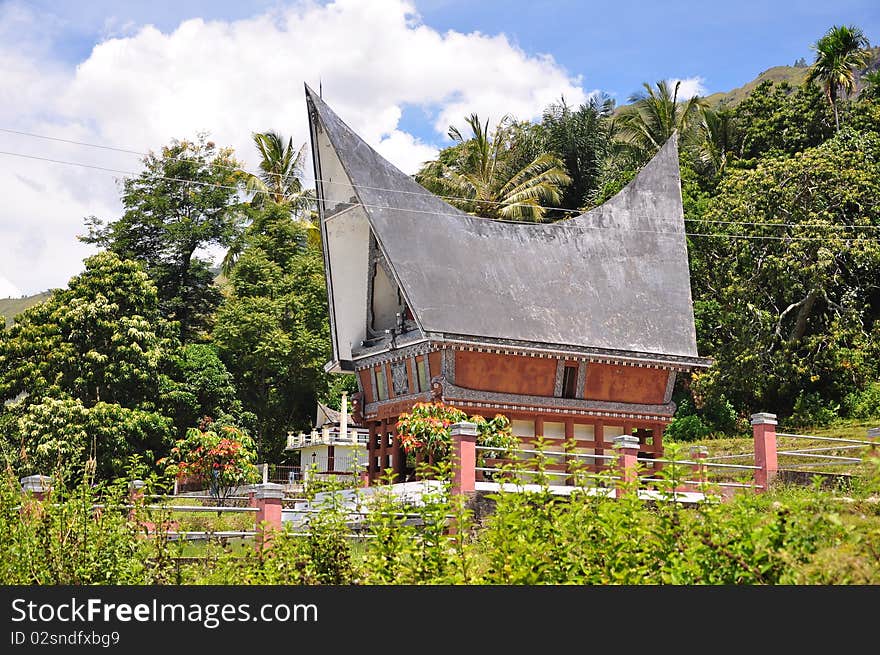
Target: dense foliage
787, 536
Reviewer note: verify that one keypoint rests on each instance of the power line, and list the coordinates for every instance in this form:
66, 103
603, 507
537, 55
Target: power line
361, 186
566, 225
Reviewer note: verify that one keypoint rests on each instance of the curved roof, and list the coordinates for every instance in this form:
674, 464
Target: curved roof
614, 278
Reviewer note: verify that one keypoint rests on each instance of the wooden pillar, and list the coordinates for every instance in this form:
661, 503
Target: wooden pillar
599, 438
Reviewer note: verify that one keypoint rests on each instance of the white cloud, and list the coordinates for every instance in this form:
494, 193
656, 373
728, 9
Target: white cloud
690, 87
7, 289
374, 60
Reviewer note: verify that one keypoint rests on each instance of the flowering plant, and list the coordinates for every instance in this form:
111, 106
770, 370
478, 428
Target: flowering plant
426, 430
222, 459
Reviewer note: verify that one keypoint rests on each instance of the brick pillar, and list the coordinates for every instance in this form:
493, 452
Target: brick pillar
699, 455
627, 447
764, 432
38, 485
267, 499
464, 457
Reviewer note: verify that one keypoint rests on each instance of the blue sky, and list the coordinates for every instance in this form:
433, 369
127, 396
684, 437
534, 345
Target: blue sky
136, 74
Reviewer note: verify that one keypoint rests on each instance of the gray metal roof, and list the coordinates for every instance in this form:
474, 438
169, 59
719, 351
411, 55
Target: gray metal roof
613, 279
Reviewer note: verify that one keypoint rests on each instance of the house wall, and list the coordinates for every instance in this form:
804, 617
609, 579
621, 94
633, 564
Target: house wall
625, 384
505, 373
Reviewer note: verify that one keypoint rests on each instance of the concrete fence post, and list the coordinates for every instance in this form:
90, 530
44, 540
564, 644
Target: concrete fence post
764, 432
135, 495
267, 499
627, 447
37, 485
698, 455
464, 457
874, 438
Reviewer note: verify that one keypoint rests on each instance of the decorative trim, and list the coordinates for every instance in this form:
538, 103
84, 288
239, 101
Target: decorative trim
582, 379
670, 385
448, 368
560, 372
668, 362
421, 347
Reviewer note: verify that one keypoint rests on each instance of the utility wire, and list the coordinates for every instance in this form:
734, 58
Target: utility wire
566, 225
361, 186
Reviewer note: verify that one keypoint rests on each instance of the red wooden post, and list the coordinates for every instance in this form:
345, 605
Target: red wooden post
628, 450
267, 499
464, 457
764, 432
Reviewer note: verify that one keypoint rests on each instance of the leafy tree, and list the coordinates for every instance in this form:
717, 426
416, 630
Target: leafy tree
792, 307
778, 120
580, 139
272, 331
100, 340
65, 435
654, 115
839, 53
186, 199
475, 176
200, 385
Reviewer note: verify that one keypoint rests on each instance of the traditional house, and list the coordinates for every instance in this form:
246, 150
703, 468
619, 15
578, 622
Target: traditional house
573, 330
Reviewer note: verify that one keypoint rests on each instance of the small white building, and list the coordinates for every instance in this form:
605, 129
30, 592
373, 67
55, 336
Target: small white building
335, 447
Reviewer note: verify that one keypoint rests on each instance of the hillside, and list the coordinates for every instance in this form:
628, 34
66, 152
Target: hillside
794, 75
12, 307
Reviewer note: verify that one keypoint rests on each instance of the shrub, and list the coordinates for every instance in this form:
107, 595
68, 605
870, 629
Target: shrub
687, 428
811, 410
865, 403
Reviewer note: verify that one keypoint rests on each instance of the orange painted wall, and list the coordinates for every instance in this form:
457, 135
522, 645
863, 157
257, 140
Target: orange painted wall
625, 384
505, 373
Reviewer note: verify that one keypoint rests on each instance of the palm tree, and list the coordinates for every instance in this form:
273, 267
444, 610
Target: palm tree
280, 182
713, 140
653, 117
280, 177
838, 55
475, 174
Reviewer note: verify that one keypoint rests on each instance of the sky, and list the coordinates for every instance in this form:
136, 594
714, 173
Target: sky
134, 75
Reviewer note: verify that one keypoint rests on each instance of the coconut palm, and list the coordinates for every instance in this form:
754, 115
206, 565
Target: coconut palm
654, 115
838, 55
279, 181
280, 177
475, 174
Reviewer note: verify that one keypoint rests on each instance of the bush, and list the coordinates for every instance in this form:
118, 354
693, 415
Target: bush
688, 428
811, 410
865, 403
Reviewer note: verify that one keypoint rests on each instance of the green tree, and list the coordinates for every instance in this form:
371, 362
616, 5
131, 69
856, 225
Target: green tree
65, 435
100, 340
475, 176
792, 307
272, 331
778, 120
839, 53
200, 385
654, 115
580, 138
186, 199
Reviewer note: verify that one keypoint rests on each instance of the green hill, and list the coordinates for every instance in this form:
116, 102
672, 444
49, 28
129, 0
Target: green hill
12, 307
794, 75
